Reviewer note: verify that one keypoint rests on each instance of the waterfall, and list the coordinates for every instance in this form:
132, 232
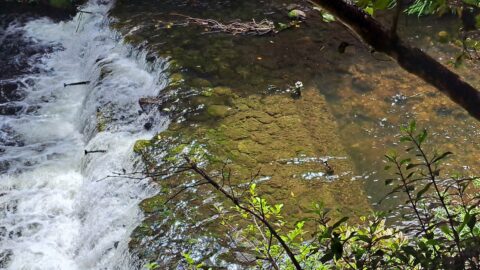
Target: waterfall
58, 207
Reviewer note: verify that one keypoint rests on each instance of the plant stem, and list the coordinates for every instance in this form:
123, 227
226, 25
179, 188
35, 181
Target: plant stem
238, 203
441, 197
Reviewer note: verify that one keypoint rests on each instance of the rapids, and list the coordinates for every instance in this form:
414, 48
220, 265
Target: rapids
58, 207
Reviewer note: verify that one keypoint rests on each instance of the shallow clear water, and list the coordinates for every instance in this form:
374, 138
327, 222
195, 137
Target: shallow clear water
57, 209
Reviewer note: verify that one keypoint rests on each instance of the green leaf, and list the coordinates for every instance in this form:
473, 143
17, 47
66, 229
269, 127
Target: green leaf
423, 190
295, 14
413, 165
327, 17
369, 10
151, 266
388, 182
381, 4
188, 258
410, 175
364, 238
442, 156
391, 155
466, 219
446, 230
362, 3
422, 136
338, 223
412, 126
403, 161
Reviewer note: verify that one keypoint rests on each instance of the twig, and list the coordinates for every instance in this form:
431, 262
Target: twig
240, 205
235, 28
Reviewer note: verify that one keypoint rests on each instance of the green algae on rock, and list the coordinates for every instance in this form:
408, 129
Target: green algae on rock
141, 146
218, 110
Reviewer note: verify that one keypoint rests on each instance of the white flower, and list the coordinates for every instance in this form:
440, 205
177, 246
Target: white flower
298, 84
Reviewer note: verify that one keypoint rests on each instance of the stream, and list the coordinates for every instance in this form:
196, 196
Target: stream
72, 192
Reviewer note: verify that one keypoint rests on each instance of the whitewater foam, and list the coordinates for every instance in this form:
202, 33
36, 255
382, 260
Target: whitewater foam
58, 211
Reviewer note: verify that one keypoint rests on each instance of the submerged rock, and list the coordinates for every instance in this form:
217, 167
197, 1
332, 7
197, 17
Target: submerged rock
443, 36
10, 91
10, 109
198, 82
141, 145
218, 110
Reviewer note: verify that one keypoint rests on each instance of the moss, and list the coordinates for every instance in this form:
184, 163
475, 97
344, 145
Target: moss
101, 122
153, 204
206, 92
176, 79
141, 145
218, 110
225, 91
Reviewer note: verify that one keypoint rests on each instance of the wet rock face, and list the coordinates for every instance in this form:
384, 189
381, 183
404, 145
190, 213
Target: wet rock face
10, 109
16, 51
10, 91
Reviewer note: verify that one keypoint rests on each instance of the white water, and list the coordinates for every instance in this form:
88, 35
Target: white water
54, 211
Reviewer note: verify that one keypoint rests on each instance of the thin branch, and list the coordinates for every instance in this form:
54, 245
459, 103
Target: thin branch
240, 205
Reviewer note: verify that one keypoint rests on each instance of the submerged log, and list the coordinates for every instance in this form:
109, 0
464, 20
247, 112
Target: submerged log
409, 58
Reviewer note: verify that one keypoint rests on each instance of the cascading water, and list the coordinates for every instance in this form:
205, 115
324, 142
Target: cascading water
58, 209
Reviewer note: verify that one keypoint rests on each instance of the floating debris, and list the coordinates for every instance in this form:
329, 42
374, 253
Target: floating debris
235, 28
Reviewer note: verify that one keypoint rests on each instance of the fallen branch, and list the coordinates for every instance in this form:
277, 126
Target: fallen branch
235, 28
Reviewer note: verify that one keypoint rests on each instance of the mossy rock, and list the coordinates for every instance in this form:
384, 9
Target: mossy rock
222, 91
101, 122
153, 204
140, 146
176, 79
